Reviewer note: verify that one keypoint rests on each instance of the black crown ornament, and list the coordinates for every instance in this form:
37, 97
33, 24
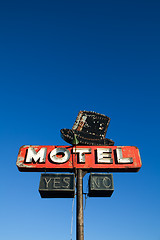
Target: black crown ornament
90, 129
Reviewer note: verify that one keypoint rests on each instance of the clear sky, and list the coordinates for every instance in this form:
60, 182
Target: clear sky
59, 57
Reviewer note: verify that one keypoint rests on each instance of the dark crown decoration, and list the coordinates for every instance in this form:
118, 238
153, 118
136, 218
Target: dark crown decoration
89, 129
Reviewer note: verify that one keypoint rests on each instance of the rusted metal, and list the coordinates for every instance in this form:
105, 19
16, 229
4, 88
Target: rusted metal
93, 158
79, 212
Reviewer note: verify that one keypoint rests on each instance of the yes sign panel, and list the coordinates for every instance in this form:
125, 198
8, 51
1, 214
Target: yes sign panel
90, 158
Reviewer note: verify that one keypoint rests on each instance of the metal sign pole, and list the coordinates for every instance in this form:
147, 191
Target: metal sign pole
80, 222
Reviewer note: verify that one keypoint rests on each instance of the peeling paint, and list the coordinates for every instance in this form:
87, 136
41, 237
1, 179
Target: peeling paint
26, 146
20, 163
24, 165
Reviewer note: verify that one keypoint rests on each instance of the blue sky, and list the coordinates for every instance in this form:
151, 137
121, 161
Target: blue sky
59, 57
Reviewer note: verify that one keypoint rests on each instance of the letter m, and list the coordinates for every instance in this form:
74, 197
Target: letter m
39, 156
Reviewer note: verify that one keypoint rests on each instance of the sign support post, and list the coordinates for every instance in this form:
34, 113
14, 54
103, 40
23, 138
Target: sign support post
79, 213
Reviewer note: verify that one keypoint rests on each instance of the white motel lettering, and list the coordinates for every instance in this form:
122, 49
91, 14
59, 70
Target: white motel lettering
62, 155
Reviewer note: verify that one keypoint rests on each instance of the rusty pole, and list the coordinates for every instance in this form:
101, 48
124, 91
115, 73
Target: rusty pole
79, 213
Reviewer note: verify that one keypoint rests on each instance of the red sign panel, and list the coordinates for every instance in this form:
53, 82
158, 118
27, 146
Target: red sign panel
89, 158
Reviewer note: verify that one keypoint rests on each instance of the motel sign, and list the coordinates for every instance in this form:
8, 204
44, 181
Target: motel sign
88, 158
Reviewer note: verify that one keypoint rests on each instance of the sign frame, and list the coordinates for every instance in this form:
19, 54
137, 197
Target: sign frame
104, 187
33, 158
56, 185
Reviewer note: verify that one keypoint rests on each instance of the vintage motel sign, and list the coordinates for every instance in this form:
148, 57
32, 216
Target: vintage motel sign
100, 185
89, 158
57, 185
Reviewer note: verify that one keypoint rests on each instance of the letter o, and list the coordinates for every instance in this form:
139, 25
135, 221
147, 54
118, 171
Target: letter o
106, 182
56, 159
